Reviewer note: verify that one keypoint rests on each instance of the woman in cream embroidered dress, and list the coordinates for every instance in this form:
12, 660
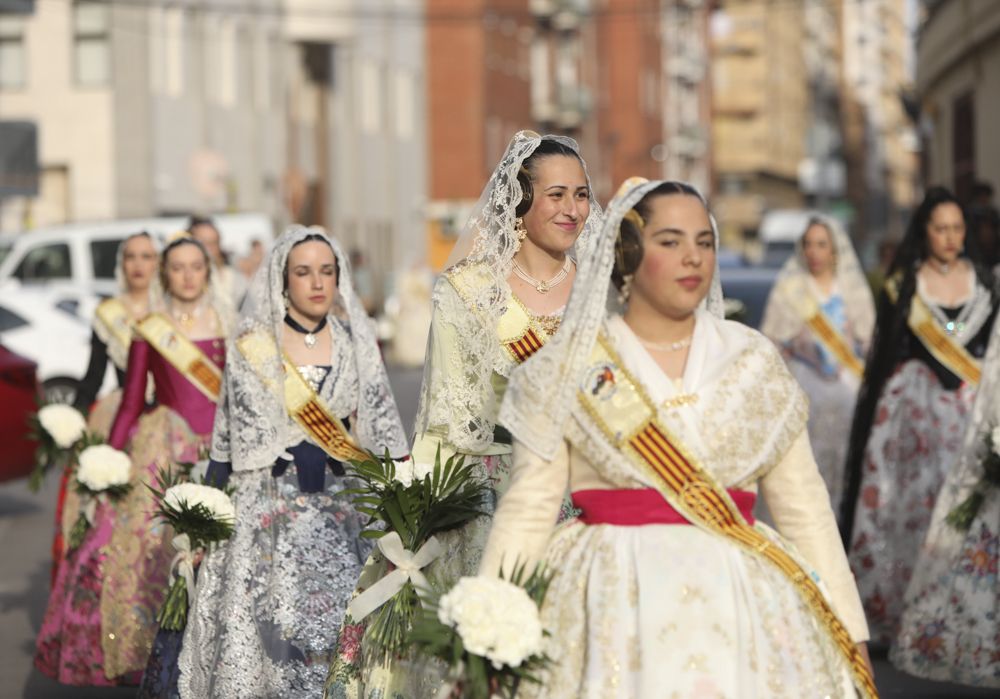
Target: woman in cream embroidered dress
912, 408
101, 618
516, 251
271, 599
823, 275
135, 268
643, 604
950, 626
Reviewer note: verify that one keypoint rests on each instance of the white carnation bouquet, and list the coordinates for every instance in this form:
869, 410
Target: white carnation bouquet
103, 473
201, 515
962, 516
488, 630
61, 433
407, 503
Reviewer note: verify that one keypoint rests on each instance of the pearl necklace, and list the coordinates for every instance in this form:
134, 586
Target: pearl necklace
544, 287
667, 346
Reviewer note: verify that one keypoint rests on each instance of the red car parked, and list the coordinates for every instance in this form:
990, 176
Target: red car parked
19, 393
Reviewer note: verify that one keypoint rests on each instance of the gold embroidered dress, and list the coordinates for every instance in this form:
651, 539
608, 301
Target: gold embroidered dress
638, 611
665, 585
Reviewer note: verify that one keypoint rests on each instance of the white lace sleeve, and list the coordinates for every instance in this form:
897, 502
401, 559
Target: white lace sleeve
457, 404
220, 449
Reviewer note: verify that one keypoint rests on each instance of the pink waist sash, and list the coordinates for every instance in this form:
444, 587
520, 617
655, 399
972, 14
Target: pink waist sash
635, 507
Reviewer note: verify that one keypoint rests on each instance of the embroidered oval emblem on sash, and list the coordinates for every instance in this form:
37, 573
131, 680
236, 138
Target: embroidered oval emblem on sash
600, 381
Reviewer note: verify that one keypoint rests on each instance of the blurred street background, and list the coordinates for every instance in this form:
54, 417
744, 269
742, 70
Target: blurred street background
381, 120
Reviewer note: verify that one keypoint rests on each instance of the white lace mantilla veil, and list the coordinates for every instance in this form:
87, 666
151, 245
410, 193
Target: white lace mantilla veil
792, 285
542, 391
460, 399
253, 427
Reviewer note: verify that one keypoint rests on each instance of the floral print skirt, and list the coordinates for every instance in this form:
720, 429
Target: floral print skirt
917, 434
271, 599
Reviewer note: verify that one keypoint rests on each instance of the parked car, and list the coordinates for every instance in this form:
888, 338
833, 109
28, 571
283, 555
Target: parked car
82, 255
745, 290
18, 400
779, 229
52, 328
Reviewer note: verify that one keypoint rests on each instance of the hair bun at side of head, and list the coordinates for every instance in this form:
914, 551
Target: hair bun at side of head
628, 250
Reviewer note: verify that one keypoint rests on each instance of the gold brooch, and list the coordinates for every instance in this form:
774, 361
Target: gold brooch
682, 399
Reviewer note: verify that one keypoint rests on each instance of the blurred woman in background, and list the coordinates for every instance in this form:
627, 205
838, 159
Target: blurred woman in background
820, 314
101, 618
935, 314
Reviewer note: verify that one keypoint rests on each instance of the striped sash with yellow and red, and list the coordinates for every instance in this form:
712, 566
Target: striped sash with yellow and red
624, 413
183, 355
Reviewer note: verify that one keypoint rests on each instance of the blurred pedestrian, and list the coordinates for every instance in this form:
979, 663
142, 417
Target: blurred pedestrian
512, 269
363, 281
271, 599
135, 268
934, 319
98, 628
229, 282
248, 265
821, 314
950, 628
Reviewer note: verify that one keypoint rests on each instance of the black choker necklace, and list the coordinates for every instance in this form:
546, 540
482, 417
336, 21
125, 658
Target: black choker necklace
310, 335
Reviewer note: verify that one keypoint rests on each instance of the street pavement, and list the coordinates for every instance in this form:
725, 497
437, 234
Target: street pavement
26, 527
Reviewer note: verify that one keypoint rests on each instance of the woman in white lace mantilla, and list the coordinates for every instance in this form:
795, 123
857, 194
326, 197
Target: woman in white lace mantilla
665, 423
820, 314
271, 599
499, 300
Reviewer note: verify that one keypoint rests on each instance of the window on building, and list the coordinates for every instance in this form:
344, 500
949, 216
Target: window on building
92, 42
963, 139
103, 257
13, 60
43, 263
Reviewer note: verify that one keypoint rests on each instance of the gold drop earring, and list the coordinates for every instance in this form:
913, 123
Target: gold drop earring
520, 232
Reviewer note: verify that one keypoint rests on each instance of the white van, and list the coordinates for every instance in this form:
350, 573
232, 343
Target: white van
779, 230
82, 255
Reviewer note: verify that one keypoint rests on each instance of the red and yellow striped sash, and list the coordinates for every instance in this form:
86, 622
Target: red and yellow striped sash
624, 413
520, 335
303, 405
183, 355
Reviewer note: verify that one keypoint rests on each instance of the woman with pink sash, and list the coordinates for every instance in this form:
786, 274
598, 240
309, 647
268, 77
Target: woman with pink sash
666, 423
101, 617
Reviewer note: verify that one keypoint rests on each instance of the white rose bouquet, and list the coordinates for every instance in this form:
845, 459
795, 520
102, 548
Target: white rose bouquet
407, 503
61, 432
201, 515
962, 516
489, 631
103, 473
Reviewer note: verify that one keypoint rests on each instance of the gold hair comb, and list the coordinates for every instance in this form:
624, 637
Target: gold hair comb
633, 216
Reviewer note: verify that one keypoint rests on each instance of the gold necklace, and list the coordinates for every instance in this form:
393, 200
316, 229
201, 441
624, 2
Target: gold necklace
186, 319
